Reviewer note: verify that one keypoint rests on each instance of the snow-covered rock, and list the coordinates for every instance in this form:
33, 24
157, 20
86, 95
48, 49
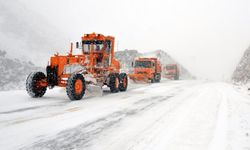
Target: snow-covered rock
14, 72
126, 58
25, 37
241, 74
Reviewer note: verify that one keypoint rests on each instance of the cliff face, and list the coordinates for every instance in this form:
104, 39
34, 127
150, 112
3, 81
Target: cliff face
126, 58
242, 71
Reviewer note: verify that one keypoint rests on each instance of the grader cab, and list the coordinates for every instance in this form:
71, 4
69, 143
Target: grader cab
95, 65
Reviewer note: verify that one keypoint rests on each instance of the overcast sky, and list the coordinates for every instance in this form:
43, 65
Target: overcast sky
207, 36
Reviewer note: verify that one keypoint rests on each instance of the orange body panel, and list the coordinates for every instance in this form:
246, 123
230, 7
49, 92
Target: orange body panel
97, 60
61, 61
146, 73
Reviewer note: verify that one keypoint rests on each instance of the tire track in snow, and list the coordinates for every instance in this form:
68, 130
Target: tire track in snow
219, 140
45, 128
81, 135
52, 106
185, 124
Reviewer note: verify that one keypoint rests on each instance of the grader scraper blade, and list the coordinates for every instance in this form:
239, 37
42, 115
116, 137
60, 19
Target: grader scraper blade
94, 90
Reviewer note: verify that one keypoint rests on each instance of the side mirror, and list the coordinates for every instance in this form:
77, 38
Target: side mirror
77, 44
132, 64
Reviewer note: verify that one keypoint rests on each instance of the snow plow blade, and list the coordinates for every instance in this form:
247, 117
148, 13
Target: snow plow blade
138, 77
94, 90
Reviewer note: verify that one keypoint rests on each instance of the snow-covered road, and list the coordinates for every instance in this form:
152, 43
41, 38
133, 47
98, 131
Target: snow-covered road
175, 115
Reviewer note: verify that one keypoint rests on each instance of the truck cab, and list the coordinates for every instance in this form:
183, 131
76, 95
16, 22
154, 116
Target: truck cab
146, 69
171, 71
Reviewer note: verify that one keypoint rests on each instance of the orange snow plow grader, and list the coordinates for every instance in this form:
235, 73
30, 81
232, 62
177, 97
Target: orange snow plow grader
171, 71
95, 65
146, 69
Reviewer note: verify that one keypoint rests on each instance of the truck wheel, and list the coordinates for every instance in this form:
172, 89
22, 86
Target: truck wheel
158, 77
76, 87
176, 77
123, 82
32, 84
152, 80
114, 82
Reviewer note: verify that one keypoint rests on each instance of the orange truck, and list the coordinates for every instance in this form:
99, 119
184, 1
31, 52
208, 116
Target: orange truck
95, 65
146, 69
171, 71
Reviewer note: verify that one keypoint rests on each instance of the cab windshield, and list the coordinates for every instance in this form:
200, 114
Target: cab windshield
143, 64
97, 46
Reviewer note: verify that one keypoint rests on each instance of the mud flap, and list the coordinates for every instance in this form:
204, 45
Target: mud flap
94, 90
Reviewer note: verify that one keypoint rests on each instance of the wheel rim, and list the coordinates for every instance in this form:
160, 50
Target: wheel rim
39, 83
125, 82
78, 86
117, 83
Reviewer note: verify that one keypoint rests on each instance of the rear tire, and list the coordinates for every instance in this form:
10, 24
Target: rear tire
176, 77
76, 87
31, 84
123, 82
153, 79
114, 82
158, 77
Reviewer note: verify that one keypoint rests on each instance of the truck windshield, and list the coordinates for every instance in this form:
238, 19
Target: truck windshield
97, 46
170, 67
142, 64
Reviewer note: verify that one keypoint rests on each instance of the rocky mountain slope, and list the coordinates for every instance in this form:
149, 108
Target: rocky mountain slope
242, 71
14, 72
126, 58
26, 37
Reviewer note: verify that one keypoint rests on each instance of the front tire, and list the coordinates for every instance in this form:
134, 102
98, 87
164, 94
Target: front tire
32, 84
158, 77
152, 80
176, 77
114, 82
76, 87
123, 82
